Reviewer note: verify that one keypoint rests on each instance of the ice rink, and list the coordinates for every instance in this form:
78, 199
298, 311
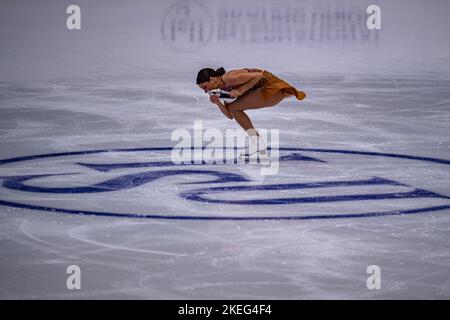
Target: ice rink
86, 118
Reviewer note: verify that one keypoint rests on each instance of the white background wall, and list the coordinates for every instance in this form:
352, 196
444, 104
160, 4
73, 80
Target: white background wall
288, 36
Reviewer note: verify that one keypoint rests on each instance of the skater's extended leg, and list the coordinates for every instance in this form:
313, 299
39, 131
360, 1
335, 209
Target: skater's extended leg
254, 100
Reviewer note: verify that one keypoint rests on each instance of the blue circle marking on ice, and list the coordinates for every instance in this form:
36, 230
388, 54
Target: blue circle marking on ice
135, 180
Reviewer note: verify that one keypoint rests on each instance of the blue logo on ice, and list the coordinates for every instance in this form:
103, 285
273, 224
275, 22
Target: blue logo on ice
237, 194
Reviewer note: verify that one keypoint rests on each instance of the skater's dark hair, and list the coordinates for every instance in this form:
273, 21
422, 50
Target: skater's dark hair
204, 74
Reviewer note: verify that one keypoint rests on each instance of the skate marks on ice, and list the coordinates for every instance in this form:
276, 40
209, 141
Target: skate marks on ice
259, 259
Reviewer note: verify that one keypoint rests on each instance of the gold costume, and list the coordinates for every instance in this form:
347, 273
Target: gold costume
271, 84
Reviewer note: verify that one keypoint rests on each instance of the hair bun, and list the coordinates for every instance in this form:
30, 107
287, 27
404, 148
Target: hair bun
220, 71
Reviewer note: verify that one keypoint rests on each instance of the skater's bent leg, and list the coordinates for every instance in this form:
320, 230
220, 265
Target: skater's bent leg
252, 100
244, 121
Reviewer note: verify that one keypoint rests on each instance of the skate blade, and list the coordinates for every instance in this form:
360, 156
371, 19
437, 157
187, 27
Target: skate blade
261, 157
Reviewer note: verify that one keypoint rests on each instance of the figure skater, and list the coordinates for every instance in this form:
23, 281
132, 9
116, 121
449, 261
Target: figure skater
253, 89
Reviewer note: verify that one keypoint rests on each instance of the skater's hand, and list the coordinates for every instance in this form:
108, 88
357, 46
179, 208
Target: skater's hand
235, 93
213, 99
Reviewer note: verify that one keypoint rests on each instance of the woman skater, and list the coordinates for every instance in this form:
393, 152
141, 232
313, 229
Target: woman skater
253, 89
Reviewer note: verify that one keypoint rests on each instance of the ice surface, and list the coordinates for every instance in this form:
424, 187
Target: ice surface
123, 83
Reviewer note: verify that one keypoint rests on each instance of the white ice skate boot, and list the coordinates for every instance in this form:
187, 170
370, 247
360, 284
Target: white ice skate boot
256, 147
223, 95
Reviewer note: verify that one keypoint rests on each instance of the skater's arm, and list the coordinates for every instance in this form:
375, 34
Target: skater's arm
244, 82
246, 86
222, 107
